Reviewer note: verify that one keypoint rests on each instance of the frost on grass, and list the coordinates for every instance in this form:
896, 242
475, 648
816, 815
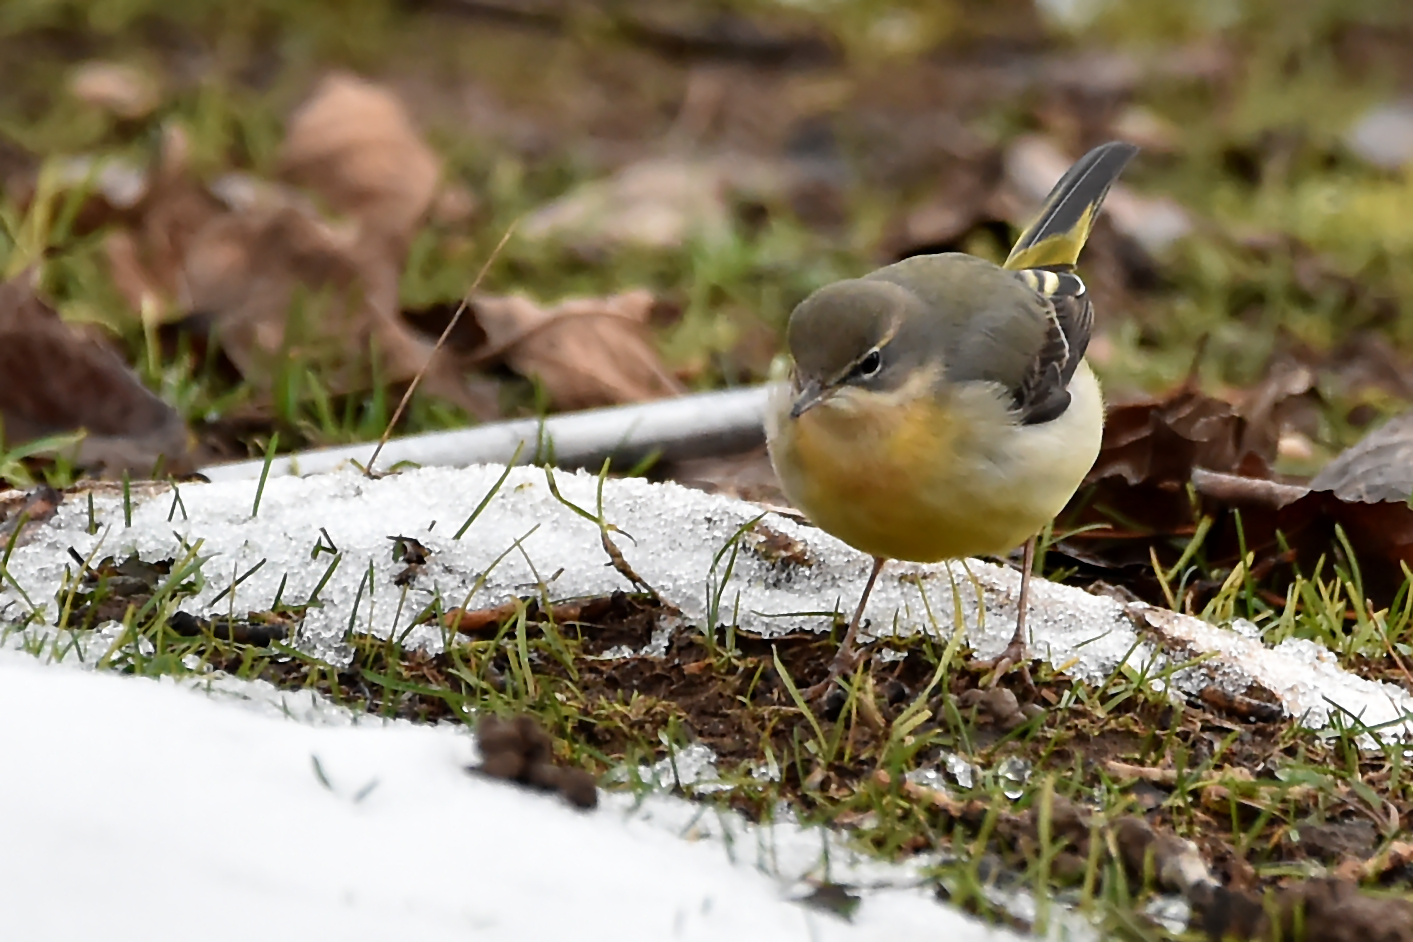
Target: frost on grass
715, 559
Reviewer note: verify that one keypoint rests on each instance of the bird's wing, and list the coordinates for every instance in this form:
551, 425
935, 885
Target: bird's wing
1043, 391
1044, 258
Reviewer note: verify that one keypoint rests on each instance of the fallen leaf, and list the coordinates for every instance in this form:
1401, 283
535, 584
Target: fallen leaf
1161, 440
745, 477
354, 145
1363, 493
657, 203
277, 285
147, 256
1136, 502
254, 264
1378, 468
961, 203
1272, 405
586, 351
57, 380
1166, 464
124, 91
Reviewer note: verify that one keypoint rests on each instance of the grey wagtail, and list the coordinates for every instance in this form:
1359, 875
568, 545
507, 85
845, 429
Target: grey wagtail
941, 407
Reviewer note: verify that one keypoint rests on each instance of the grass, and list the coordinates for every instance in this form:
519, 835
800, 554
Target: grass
917, 761
1243, 299
1256, 154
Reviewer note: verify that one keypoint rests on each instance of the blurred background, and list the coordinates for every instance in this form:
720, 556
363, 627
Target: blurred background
226, 221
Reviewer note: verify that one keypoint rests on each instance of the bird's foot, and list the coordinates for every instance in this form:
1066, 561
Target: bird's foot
1015, 655
844, 664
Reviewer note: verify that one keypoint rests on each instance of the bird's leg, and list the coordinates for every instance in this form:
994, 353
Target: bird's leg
847, 658
1015, 652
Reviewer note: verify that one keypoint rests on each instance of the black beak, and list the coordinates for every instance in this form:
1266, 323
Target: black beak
811, 394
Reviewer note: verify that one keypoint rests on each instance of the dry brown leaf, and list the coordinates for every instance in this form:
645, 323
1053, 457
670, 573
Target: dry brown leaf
354, 145
124, 91
255, 264
748, 476
1137, 502
941, 221
1167, 463
150, 214
586, 351
1161, 440
146, 259
278, 285
56, 380
1377, 468
657, 203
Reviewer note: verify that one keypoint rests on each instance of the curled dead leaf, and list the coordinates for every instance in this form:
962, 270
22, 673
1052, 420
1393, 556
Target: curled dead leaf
124, 91
254, 263
1161, 440
354, 145
657, 203
586, 351
1137, 502
1187, 464
278, 285
1377, 468
56, 380
147, 256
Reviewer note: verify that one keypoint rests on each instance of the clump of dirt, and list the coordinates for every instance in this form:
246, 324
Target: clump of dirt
519, 750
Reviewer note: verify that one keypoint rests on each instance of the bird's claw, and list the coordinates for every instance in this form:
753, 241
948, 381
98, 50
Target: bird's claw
844, 664
1015, 655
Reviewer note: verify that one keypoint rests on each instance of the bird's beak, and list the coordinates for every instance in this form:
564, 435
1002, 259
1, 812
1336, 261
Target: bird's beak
811, 394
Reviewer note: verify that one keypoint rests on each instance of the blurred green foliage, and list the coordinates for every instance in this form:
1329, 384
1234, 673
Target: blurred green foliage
1298, 241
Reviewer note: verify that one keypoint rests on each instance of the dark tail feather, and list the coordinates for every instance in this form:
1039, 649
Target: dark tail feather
1055, 239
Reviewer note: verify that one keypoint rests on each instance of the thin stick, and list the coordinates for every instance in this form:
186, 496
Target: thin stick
451, 325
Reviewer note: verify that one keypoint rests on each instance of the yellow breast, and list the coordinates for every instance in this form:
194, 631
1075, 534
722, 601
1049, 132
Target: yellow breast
909, 476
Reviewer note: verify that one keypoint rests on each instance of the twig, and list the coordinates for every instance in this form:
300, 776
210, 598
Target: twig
1235, 489
446, 332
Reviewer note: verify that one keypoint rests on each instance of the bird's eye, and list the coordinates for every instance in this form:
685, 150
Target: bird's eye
869, 365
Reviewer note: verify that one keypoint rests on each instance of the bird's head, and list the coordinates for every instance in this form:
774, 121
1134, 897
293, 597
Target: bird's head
844, 342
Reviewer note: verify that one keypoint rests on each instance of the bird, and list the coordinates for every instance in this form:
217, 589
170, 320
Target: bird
941, 407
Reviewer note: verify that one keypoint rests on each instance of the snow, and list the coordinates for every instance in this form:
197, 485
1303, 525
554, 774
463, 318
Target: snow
140, 809
159, 809
678, 540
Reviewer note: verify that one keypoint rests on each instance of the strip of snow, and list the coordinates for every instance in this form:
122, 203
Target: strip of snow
784, 575
136, 809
